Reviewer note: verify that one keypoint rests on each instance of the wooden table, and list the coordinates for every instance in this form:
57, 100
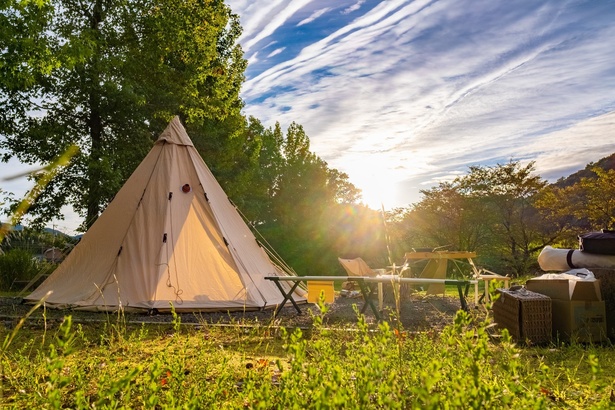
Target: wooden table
362, 281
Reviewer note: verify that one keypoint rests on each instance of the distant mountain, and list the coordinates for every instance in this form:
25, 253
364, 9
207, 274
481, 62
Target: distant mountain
605, 163
20, 227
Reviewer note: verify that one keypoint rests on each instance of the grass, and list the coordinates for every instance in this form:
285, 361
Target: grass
119, 365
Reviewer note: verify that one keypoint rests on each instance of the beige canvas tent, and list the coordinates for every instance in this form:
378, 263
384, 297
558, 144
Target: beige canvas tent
170, 236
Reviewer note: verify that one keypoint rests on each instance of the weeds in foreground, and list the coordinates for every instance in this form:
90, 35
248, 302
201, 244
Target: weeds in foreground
213, 367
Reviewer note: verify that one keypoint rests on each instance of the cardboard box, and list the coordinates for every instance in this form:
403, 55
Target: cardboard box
526, 315
316, 287
583, 321
564, 289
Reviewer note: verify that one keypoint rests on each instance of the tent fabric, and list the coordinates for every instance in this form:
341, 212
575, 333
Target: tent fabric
551, 259
170, 236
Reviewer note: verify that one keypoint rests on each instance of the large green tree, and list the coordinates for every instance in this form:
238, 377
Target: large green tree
510, 191
115, 72
305, 209
492, 210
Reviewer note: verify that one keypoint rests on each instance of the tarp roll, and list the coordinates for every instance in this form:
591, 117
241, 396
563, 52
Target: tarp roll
551, 259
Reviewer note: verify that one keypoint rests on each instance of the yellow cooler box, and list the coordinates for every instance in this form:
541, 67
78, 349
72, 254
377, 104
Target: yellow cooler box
316, 287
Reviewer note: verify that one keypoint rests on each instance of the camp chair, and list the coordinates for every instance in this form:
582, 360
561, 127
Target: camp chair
356, 267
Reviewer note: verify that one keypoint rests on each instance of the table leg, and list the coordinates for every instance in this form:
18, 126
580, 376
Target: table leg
287, 297
368, 300
462, 299
467, 292
476, 293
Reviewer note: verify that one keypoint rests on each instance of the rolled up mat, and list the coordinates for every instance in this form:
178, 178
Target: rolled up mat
566, 259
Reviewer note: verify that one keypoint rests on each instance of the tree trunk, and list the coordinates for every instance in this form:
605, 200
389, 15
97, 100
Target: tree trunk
95, 129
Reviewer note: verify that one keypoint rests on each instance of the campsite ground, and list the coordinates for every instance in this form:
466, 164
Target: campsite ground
419, 312
243, 367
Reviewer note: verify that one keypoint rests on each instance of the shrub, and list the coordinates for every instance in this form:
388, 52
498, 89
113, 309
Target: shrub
17, 264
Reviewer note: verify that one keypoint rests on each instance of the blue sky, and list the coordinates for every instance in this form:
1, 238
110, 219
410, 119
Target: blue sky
401, 95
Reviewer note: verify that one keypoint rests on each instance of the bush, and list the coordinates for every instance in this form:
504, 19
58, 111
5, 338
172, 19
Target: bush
17, 264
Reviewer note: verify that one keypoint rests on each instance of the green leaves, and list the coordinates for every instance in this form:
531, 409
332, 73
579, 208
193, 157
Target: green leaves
106, 77
361, 367
491, 210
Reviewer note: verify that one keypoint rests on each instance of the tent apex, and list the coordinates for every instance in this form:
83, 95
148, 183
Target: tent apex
175, 133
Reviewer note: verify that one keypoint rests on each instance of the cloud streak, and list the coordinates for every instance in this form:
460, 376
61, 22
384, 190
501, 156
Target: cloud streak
415, 91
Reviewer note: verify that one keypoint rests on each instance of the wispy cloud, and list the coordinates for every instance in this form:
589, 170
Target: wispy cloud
264, 18
416, 91
313, 16
276, 52
354, 7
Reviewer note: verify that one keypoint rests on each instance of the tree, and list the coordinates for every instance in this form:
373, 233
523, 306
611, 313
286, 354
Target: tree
598, 204
586, 205
510, 191
295, 200
119, 71
491, 210
25, 57
263, 151
448, 216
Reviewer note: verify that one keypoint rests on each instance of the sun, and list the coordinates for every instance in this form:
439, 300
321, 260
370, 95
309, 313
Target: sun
378, 192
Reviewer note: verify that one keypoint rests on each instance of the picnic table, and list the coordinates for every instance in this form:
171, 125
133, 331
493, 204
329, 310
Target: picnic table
437, 267
363, 281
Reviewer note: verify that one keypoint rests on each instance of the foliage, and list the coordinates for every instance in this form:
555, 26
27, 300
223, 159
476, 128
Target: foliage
491, 210
21, 254
115, 73
36, 241
25, 55
17, 264
233, 367
510, 191
587, 205
306, 210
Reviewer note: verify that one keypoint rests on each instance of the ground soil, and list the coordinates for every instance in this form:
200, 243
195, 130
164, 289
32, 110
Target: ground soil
418, 312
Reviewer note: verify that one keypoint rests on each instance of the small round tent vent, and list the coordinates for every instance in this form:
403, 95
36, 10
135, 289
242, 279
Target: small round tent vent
186, 188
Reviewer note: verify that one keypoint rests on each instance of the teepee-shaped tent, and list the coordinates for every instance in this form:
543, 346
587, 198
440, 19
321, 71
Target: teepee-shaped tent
170, 236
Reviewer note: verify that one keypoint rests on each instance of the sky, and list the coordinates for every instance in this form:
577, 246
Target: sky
402, 95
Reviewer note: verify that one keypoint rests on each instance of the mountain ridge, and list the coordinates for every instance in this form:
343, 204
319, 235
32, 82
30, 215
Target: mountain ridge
605, 163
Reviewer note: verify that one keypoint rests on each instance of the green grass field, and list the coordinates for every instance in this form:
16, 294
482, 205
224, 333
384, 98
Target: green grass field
119, 365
